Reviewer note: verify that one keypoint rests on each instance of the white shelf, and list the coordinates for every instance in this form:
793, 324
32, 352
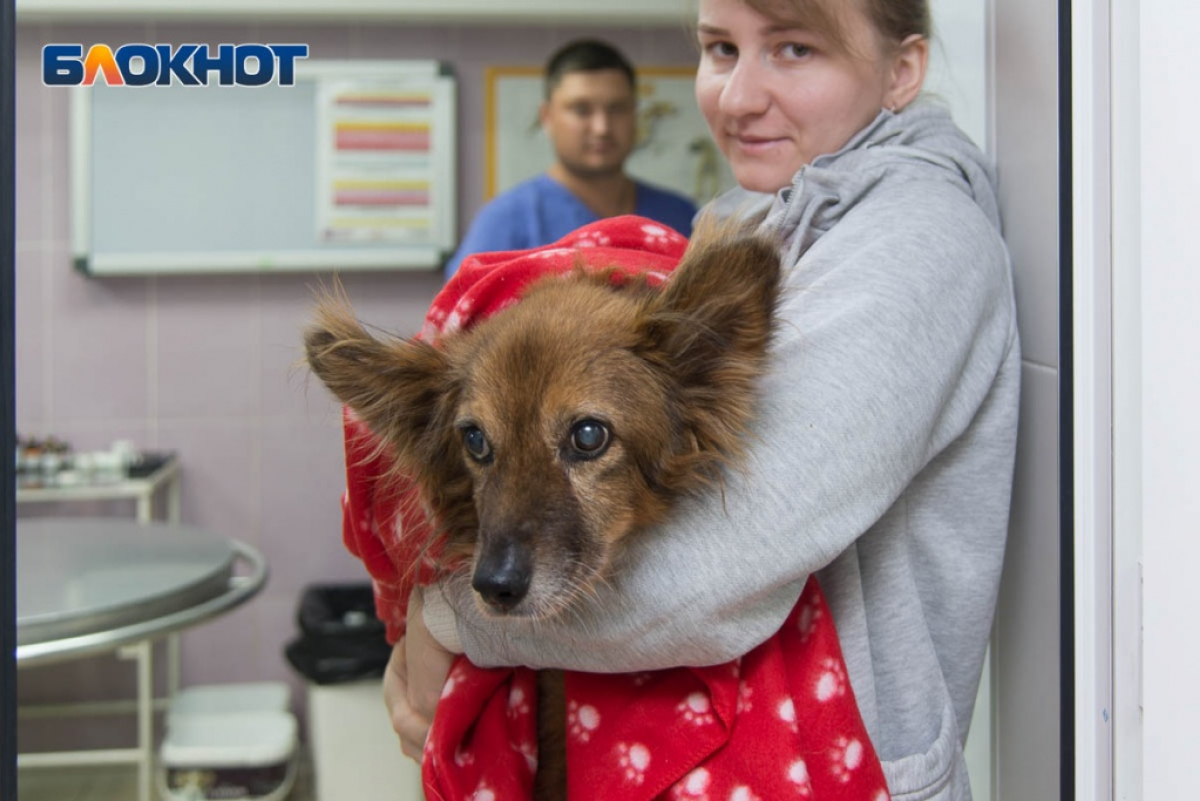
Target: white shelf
522, 12
143, 490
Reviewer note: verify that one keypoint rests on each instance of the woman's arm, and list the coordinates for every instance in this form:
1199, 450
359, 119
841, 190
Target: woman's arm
413, 680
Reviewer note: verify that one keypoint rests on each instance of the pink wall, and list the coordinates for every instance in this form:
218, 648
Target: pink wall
207, 366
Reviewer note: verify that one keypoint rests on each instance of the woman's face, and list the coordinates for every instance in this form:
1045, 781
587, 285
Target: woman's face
777, 97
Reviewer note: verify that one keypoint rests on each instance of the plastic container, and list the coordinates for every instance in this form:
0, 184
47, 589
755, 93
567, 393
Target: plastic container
224, 699
247, 756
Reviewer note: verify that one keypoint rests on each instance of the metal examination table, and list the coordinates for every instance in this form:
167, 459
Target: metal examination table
87, 586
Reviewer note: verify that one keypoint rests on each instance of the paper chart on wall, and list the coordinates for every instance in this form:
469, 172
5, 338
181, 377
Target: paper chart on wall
674, 147
376, 165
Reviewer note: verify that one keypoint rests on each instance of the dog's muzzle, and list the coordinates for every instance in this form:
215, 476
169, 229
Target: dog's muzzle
502, 575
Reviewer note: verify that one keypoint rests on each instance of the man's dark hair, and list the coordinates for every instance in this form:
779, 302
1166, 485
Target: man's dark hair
586, 55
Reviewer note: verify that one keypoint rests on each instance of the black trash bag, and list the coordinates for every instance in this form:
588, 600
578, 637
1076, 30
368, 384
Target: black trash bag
340, 638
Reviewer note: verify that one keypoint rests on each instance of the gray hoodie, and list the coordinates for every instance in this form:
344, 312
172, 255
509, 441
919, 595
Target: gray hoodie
882, 461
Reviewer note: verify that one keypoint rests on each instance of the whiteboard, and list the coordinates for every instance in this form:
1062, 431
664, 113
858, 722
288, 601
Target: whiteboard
350, 168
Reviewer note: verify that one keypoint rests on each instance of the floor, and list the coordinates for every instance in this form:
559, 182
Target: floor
111, 783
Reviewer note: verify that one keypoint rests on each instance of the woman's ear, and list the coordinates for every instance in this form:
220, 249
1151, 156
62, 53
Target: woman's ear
908, 71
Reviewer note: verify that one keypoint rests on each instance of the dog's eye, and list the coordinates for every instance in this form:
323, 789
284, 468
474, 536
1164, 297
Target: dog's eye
590, 438
476, 444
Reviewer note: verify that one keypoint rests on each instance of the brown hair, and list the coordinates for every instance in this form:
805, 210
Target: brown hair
893, 20
585, 55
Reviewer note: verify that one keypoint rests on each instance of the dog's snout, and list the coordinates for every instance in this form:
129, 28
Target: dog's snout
502, 575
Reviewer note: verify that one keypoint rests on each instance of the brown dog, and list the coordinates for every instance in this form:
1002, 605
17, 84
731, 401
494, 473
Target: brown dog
546, 435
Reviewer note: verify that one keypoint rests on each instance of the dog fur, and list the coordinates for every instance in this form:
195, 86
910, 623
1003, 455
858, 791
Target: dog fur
546, 435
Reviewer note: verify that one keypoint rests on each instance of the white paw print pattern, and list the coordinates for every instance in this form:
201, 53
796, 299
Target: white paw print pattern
458, 315
592, 239
582, 721
453, 323
553, 253
798, 775
518, 704
745, 700
806, 621
634, 759
847, 756
640, 679
452, 681
696, 709
693, 787
483, 793
744, 793
529, 751
397, 530
787, 713
832, 683
656, 236
464, 759
506, 304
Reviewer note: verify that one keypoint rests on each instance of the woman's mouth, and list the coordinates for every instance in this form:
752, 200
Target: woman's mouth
756, 145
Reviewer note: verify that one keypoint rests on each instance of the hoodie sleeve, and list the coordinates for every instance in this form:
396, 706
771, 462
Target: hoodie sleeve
893, 328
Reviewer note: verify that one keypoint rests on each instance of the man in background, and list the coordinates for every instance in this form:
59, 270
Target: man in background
589, 114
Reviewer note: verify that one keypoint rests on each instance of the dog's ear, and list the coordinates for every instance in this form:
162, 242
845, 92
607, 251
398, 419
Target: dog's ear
398, 387
709, 330
720, 302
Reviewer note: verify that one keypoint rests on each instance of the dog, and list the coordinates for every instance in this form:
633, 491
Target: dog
546, 436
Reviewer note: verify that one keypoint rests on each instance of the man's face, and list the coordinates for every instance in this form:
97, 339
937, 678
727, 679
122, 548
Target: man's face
590, 119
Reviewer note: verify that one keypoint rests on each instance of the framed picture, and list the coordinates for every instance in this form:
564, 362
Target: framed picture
674, 149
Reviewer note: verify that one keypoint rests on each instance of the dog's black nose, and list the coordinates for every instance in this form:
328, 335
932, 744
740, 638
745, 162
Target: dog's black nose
502, 575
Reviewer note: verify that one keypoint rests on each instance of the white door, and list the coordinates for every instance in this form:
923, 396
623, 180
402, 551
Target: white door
1026, 646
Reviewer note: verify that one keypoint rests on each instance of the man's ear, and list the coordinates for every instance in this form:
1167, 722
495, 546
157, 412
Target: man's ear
909, 65
397, 387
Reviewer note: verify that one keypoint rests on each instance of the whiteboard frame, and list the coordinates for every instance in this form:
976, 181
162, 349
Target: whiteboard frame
342, 258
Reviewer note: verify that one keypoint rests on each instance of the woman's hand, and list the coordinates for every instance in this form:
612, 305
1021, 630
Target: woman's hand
412, 683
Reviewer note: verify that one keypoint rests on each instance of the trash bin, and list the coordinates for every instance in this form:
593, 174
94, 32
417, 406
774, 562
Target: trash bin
340, 637
342, 650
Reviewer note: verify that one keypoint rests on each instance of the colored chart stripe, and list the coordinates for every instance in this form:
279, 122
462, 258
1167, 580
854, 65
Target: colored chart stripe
382, 137
368, 197
386, 100
379, 222
370, 183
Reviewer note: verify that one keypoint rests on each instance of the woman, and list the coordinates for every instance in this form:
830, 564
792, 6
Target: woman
884, 450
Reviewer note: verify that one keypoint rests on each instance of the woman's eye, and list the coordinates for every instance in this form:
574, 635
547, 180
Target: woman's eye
476, 443
721, 50
794, 50
590, 438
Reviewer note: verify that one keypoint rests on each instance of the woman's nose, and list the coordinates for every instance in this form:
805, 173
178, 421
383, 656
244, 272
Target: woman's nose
745, 92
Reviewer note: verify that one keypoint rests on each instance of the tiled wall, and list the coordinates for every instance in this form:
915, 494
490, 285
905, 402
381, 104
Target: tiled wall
207, 366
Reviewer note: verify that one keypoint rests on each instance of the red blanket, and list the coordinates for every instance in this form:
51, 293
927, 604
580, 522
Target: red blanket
779, 723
